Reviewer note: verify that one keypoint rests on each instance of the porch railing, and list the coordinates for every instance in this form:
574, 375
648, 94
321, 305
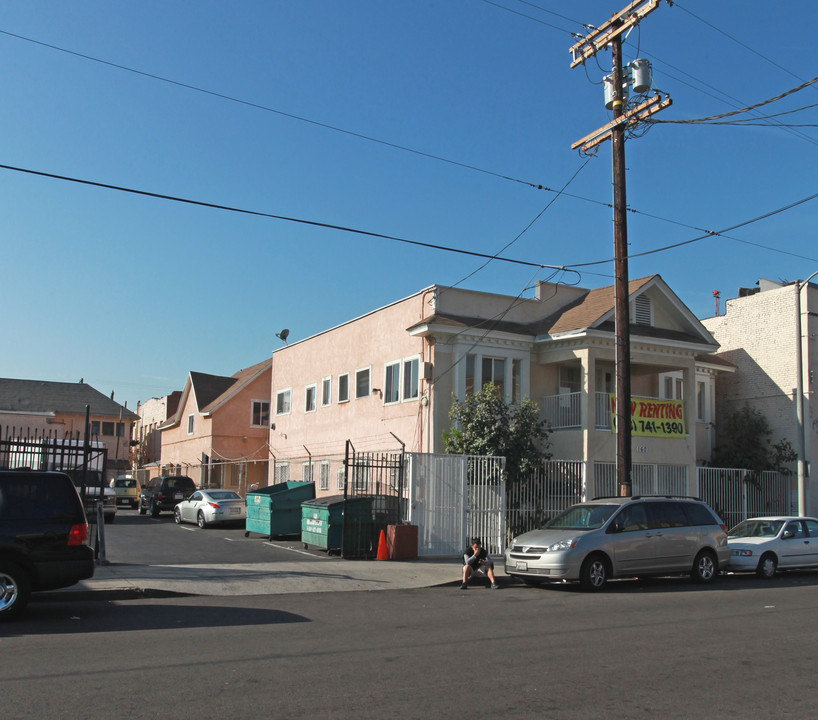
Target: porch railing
564, 412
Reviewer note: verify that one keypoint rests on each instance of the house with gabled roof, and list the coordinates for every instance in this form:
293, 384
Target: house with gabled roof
388, 377
219, 433
58, 410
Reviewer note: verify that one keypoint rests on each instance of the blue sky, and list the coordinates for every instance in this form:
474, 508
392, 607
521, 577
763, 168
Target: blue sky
424, 120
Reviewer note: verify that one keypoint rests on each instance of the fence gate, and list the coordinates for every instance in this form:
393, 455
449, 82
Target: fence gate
374, 482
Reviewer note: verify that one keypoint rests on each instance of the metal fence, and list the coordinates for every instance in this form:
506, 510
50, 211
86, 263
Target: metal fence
737, 494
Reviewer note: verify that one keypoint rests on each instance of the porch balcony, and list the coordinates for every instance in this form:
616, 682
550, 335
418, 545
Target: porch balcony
563, 412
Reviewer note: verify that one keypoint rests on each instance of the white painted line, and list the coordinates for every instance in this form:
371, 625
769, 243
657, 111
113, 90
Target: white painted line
300, 552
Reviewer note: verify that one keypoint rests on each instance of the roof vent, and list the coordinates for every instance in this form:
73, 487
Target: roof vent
642, 310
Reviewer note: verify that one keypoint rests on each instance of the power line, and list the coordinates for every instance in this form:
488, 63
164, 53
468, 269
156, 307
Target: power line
256, 213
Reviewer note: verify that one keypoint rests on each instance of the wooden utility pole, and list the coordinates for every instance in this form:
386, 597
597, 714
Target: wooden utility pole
610, 34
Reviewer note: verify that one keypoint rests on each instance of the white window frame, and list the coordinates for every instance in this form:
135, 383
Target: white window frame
190, 424
323, 475
340, 476
307, 471
701, 401
289, 393
344, 399
408, 361
368, 371
261, 403
326, 391
307, 408
395, 383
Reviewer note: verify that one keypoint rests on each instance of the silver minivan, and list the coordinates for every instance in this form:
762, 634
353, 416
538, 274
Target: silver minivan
622, 537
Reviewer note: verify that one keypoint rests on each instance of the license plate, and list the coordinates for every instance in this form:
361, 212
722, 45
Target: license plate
178, 496
235, 511
522, 565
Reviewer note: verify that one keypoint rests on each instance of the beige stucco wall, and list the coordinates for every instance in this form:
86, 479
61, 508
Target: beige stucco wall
371, 341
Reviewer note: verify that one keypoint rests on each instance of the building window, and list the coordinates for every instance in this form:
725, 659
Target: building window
108, 429
309, 398
306, 472
190, 424
701, 401
94, 427
343, 388
494, 371
470, 360
323, 476
281, 473
411, 381
120, 429
259, 413
391, 390
340, 478
326, 391
516, 381
283, 402
360, 477
362, 383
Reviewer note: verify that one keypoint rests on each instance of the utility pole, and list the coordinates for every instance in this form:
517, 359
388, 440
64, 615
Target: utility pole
610, 34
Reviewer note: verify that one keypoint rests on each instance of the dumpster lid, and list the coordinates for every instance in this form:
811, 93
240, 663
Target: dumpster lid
329, 500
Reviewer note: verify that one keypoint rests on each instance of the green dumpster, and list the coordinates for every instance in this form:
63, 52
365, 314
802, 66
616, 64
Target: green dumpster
276, 509
326, 522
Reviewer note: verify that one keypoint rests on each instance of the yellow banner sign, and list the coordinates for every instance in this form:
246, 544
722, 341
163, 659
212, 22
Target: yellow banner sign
653, 418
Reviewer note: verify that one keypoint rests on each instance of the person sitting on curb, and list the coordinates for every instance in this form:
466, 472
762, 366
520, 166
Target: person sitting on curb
476, 561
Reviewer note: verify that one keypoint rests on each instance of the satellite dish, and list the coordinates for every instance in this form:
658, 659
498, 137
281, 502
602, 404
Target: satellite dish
283, 335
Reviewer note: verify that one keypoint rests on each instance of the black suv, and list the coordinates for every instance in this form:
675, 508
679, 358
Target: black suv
43, 535
164, 492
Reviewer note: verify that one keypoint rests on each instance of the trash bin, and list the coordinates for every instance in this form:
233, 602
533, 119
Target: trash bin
276, 509
331, 523
402, 542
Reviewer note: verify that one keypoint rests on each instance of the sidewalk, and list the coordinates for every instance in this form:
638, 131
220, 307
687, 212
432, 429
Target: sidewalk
333, 574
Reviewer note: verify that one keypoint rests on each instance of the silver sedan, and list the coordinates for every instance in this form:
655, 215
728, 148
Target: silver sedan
207, 507
766, 544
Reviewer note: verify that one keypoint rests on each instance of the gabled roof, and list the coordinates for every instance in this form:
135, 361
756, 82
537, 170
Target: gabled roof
212, 391
43, 396
592, 310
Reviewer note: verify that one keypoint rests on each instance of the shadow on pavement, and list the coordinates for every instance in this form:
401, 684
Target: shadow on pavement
42, 617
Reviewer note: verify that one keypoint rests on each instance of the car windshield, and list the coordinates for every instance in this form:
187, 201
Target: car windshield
756, 528
581, 517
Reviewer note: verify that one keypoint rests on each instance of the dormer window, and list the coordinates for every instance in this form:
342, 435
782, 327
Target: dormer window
642, 310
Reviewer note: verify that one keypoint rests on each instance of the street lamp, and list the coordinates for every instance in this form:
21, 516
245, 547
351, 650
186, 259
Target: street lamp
799, 399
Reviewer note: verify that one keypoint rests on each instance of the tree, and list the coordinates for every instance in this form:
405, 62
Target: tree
484, 424
745, 436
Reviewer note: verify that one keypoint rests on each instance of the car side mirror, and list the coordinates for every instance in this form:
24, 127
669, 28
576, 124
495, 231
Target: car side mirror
787, 535
617, 527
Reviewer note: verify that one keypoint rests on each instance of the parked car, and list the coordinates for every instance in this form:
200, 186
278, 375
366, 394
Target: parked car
207, 507
622, 537
164, 492
126, 489
43, 535
95, 484
766, 544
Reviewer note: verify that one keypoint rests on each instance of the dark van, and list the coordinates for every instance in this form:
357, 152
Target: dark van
43, 537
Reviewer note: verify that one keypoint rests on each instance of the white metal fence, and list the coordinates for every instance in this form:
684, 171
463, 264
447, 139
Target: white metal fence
737, 494
647, 479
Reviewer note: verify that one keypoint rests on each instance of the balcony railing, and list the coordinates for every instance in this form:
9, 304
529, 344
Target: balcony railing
563, 412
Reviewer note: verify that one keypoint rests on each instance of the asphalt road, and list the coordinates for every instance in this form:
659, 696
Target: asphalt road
652, 649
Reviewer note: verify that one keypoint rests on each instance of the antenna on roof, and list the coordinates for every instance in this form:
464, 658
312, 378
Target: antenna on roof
283, 335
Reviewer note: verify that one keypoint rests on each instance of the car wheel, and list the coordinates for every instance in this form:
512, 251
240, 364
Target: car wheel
141, 508
593, 576
177, 516
767, 566
15, 590
154, 509
200, 520
705, 568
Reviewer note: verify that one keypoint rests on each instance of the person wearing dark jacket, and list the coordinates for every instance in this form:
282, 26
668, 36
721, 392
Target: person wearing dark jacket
476, 561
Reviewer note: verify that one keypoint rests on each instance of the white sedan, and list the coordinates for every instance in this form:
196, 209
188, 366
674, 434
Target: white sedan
764, 545
206, 507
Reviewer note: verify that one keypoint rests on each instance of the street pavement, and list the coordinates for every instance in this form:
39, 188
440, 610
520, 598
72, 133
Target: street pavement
330, 574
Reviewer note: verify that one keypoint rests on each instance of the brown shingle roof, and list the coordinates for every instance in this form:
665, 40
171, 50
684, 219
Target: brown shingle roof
42, 396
